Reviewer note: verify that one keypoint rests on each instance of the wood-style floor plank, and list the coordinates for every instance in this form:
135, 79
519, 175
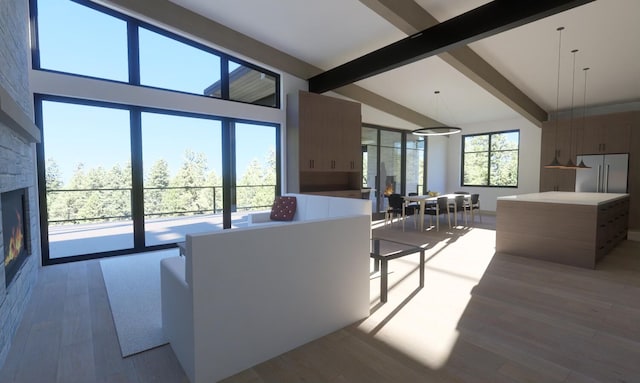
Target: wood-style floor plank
481, 317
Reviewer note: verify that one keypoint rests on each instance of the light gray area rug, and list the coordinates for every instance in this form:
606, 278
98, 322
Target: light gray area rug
133, 287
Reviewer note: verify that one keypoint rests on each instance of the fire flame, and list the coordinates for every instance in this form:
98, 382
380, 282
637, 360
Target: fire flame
15, 243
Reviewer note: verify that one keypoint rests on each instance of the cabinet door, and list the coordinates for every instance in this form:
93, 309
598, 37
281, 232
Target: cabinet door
547, 152
607, 134
311, 135
350, 157
591, 138
616, 139
557, 141
565, 143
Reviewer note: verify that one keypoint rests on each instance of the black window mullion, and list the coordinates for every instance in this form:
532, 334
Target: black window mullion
278, 163
33, 20
224, 77
403, 163
227, 172
134, 53
489, 161
42, 188
137, 181
425, 166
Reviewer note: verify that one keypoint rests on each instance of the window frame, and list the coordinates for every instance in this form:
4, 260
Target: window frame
229, 151
133, 48
489, 152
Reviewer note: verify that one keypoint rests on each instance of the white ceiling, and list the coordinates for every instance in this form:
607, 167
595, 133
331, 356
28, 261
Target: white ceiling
331, 32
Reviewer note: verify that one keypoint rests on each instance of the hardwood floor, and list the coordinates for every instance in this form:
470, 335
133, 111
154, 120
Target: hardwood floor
480, 318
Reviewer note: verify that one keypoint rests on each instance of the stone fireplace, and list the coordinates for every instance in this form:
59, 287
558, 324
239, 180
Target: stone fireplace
18, 176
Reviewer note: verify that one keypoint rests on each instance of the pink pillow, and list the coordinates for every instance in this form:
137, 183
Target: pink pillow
283, 209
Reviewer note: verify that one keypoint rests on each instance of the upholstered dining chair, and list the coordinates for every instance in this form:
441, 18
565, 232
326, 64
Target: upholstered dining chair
473, 204
396, 206
441, 207
458, 207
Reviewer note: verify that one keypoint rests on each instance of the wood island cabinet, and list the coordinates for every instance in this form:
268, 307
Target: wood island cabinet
575, 229
323, 145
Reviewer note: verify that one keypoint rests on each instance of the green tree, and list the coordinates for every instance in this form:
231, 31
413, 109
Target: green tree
53, 179
156, 187
256, 187
187, 194
497, 165
214, 192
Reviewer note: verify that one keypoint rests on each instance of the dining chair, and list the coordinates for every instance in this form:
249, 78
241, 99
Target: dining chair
473, 204
441, 207
458, 207
396, 207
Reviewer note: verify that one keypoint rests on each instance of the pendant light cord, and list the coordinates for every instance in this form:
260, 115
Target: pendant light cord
558, 89
584, 110
573, 89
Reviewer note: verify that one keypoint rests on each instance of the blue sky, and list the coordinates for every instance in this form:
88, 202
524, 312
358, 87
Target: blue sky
77, 39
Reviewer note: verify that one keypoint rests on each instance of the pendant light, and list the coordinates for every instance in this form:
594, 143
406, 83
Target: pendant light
555, 164
582, 165
436, 130
570, 164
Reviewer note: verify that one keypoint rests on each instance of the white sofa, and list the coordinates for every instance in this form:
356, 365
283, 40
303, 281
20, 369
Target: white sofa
242, 296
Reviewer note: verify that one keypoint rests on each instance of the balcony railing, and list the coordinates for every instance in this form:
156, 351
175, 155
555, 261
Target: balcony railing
114, 204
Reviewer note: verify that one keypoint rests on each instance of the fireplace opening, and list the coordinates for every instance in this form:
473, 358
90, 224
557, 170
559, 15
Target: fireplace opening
14, 232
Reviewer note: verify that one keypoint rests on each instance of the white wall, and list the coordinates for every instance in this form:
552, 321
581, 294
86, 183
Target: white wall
437, 169
529, 162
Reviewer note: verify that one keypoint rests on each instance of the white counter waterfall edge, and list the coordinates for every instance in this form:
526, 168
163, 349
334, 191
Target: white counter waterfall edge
577, 229
572, 198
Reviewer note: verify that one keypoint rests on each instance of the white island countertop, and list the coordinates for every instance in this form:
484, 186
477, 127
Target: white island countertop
571, 198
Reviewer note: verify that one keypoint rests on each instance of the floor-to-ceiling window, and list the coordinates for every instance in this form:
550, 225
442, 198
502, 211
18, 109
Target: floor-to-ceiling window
120, 172
256, 166
393, 161
87, 164
391, 176
415, 164
182, 172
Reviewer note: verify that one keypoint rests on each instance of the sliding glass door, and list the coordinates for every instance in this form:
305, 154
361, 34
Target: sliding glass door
120, 179
255, 171
182, 171
87, 163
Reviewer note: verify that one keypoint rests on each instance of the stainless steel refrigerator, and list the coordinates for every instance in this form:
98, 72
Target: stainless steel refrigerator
608, 173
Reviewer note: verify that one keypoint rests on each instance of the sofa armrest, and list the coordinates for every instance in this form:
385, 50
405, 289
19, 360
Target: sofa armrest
177, 311
259, 217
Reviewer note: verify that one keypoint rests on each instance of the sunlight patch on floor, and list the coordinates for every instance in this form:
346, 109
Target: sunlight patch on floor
424, 325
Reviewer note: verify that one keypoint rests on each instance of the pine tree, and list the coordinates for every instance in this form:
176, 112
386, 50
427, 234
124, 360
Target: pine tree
155, 187
185, 197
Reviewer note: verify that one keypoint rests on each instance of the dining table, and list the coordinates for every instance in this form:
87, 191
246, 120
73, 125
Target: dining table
422, 200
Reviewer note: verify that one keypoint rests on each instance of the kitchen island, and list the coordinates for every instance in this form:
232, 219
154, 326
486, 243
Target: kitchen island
565, 227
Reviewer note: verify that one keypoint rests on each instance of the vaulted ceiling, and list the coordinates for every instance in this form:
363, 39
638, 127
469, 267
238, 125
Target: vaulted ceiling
508, 74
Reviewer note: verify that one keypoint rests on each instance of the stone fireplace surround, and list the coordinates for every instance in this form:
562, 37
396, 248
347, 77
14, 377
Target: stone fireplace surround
17, 170
18, 135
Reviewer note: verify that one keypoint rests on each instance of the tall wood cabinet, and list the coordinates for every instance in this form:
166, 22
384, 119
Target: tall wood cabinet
608, 134
602, 134
556, 140
323, 145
